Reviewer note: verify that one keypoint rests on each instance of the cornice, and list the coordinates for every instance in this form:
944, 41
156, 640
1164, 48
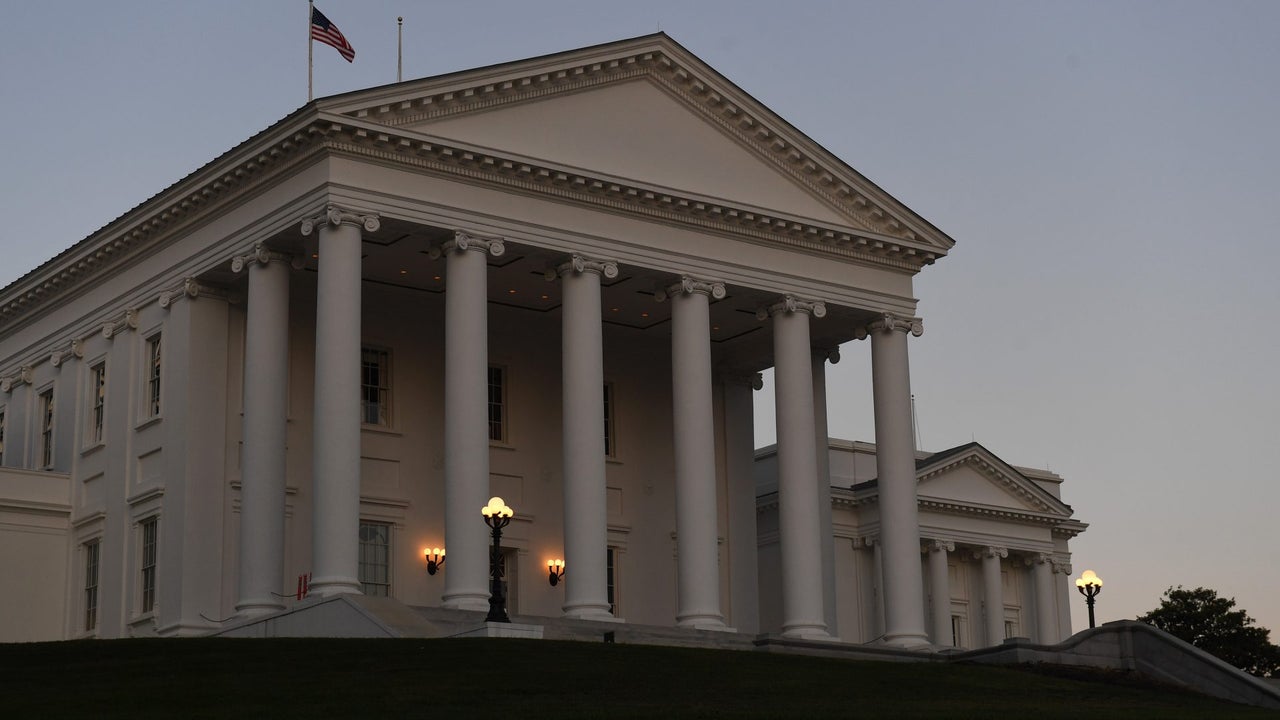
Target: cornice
686, 78
540, 178
168, 213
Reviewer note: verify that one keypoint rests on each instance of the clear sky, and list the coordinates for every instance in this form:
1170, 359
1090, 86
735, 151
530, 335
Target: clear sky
1108, 170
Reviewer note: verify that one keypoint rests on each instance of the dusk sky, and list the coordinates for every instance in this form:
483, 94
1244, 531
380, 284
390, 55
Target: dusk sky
1109, 171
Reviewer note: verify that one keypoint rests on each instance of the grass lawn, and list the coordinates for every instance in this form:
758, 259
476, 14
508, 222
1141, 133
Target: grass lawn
498, 678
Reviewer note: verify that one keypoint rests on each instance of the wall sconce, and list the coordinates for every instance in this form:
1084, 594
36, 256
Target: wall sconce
435, 558
555, 571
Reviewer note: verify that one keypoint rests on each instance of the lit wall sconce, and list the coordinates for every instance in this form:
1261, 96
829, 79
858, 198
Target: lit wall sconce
555, 571
435, 558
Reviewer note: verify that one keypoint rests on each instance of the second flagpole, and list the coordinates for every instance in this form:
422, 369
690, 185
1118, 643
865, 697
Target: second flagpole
310, 4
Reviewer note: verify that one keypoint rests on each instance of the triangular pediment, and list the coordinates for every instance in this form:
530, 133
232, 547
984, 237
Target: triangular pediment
646, 113
636, 131
972, 476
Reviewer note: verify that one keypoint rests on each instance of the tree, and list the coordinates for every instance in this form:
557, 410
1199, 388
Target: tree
1210, 623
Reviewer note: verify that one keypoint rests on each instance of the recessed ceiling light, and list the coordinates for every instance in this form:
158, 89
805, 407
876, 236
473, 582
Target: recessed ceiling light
644, 314
546, 297
512, 291
613, 309
715, 327
404, 272
315, 255
437, 277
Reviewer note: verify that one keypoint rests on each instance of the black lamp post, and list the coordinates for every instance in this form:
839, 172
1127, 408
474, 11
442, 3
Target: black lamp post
497, 516
1089, 585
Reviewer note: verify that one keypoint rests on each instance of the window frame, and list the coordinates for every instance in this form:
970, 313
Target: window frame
148, 563
610, 422
46, 406
502, 423
384, 388
96, 411
366, 582
153, 376
92, 559
4, 415
611, 578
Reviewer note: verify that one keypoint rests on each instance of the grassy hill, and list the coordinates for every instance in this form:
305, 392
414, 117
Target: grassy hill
494, 678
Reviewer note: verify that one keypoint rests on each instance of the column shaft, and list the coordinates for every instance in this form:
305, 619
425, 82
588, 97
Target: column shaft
585, 513
262, 475
896, 470
693, 424
823, 458
336, 452
993, 596
940, 585
1046, 608
799, 535
466, 427
739, 446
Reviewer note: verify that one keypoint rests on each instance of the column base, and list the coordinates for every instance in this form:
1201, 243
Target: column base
468, 601
702, 622
591, 612
807, 632
257, 608
330, 586
907, 642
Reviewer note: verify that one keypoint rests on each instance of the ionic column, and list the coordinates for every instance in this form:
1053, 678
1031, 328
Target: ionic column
1062, 581
585, 514
896, 479
739, 454
992, 592
466, 426
262, 468
800, 537
1046, 608
822, 434
693, 424
940, 583
336, 452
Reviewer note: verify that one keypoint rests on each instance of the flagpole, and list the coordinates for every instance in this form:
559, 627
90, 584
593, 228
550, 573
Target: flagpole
399, 45
310, 45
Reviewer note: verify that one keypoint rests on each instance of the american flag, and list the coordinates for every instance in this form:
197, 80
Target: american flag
329, 34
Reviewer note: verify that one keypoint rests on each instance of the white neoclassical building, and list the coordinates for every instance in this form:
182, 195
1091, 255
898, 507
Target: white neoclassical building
552, 280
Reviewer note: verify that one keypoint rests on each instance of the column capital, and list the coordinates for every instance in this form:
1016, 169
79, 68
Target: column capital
939, 546
463, 241
689, 285
128, 321
1038, 559
263, 255
729, 376
831, 355
579, 264
335, 216
24, 376
190, 288
1062, 567
75, 348
889, 322
792, 304
990, 551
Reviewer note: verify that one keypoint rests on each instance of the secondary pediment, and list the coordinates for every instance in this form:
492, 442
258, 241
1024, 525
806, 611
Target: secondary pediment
972, 475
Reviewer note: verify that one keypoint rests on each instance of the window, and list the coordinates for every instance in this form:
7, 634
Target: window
375, 558
149, 538
2, 436
957, 631
375, 387
91, 584
611, 579
97, 401
608, 420
497, 404
1010, 629
153, 376
507, 566
46, 429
